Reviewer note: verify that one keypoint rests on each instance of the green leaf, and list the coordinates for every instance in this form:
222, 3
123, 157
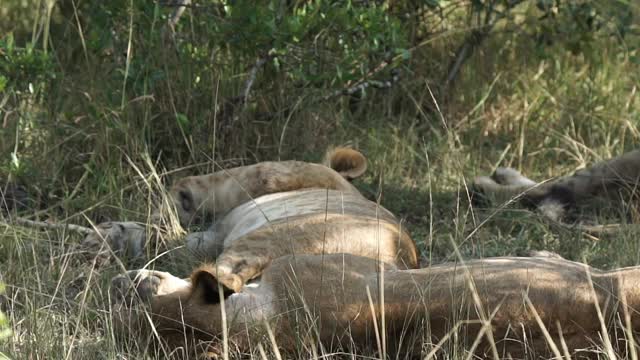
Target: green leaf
404, 53
182, 119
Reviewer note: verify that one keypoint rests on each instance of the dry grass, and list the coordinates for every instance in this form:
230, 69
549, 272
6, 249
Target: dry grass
87, 157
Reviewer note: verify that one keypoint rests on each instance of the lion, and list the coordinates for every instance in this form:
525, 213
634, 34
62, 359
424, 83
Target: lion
271, 209
501, 307
202, 197
612, 181
317, 265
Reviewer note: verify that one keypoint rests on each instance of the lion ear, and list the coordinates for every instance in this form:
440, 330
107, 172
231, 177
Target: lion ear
205, 286
347, 162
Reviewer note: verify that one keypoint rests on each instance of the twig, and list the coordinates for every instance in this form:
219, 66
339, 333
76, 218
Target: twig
181, 6
363, 84
252, 78
463, 53
41, 224
185, 4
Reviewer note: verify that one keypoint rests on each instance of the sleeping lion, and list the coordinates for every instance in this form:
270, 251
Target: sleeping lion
264, 211
502, 307
605, 185
303, 260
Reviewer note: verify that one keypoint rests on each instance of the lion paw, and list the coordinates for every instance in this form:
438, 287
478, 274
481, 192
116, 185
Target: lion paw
122, 238
511, 176
143, 285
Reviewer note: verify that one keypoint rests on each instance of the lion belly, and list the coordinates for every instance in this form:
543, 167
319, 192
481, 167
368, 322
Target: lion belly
272, 209
311, 221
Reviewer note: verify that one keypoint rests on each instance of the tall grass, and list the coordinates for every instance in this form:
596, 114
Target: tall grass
88, 145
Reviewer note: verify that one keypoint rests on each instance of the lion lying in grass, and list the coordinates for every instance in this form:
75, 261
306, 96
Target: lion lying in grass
613, 181
522, 307
272, 209
310, 261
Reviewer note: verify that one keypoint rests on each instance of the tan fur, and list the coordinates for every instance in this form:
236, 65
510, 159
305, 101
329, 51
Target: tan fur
217, 193
347, 162
304, 222
288, 242
273, 209
125, 239
606, 177
309, 297
614, 179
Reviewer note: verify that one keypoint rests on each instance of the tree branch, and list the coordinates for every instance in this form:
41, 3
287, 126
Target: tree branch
45, 225
181, 6
252, 78
463, 53
364, 84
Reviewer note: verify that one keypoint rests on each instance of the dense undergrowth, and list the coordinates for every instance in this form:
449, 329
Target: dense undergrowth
96, 98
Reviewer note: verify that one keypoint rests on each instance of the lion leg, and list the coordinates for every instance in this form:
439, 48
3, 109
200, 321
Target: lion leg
137, 307
126, 239
235, 268
511, 176
507, 186
504, 184
486, 191
135, 285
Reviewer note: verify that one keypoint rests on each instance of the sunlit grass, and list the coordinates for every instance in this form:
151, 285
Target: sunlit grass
95, 147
